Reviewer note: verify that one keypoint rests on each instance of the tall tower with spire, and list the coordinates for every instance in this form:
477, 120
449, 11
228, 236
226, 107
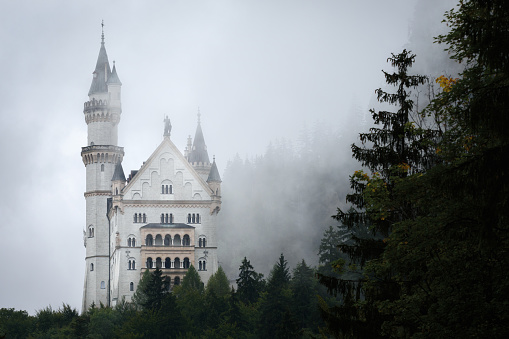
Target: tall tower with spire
101, 155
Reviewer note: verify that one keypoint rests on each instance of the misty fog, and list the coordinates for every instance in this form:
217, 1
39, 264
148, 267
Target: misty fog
284, 87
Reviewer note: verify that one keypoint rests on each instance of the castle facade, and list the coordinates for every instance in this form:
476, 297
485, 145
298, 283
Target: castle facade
161, 216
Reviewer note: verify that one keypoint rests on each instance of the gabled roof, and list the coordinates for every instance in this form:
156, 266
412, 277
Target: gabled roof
214, 173
174, 225
101, 73
146, 164
119, 173
199, 152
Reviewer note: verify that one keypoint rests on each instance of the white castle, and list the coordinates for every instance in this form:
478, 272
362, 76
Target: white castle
163, 215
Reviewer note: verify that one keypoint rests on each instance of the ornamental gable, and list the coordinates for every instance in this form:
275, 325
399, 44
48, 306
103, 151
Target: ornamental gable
167, 175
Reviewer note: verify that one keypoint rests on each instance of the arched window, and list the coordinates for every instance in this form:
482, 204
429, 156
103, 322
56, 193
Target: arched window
176, 240
90, 231
144, 217
149, 241
129, 266
131, 286
102, 167
177, 263
129, 242
171, 189
186, 241
162, 189
159, 262
167, 263
133, 242
166, 189
134, 264
199, 241
166, 218
204, 265
176, 281
135, 217
200, 266
149, 262
189, 218
159, 240
194, 218
171, 218
103, 285
91, 266
162, 218
186, 262
167, 240
204, 242
197, 218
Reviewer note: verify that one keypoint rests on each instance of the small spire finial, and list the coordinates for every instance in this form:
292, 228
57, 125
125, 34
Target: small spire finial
102, 29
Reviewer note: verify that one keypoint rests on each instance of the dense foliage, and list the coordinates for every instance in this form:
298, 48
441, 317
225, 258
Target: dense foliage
436, 198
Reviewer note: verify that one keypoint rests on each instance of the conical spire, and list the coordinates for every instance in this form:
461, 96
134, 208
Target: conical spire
102, 71
119, 173
214, 173
199, 152
113, 78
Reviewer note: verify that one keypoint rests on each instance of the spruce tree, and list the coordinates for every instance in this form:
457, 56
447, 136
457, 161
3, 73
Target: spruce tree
249, 283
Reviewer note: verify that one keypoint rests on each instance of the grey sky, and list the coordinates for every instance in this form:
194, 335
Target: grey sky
258, 70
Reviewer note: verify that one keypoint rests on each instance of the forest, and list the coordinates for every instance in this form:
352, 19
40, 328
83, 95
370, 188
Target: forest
419, 249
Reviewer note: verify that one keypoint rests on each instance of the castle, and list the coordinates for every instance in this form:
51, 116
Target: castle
163, 215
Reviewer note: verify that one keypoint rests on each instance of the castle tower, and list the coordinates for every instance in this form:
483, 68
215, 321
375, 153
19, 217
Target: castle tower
197, 154
101, 155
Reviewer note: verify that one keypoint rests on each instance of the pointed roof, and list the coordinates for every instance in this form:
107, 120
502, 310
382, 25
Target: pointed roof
119, 173
214, 173
101, 73
113, 78
199, 152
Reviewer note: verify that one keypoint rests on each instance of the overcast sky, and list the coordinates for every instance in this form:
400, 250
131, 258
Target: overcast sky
257, 70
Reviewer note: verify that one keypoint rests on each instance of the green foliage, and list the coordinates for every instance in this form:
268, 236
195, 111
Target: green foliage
304, 287
139, 298
15, 324
219, 284
249, 283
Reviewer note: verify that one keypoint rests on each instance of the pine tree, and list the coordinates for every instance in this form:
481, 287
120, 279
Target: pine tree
249, 283
389, 152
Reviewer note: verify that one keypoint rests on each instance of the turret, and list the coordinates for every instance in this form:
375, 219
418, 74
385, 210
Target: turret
214, 181
118, 181
198, 156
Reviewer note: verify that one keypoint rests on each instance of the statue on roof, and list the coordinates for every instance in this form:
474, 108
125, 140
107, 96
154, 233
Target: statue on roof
167, 127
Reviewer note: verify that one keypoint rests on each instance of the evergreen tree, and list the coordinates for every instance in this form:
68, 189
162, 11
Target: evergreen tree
190, 300
276, 317
388, 152
155, 290
139, 297
304, 287
219, 283
249, 283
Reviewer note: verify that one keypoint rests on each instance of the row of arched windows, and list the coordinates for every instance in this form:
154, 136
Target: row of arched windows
132, 264
193, 218
202, 242
166, 189
131, 242
138, 217
202, 265
167, 263
168, 241
166, 218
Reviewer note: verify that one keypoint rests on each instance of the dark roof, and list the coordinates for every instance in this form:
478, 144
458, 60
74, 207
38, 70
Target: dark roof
113, 78
199, 152
214, 173
101, 74
119, 173
174, 225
